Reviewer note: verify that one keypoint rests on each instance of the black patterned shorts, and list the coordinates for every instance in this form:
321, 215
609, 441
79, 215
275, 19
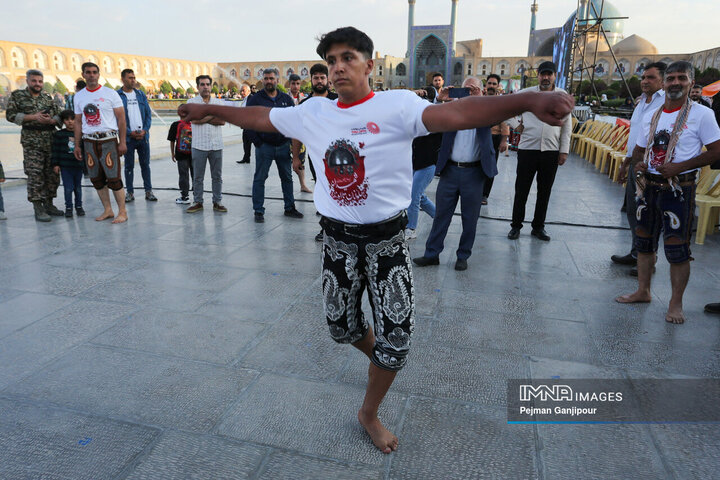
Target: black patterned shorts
379, 259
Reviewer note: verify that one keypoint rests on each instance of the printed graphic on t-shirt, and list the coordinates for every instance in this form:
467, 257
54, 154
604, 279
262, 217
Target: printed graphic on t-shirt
659, 148
345, 171
71, 144
92, 115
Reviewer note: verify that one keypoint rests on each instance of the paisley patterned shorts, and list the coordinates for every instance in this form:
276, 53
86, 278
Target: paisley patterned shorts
379, 261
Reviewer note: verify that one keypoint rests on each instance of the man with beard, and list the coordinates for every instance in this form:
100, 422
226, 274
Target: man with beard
500, 132
361, 142
542, 148
37, 114
696, 95
668, 155
653, 96
271, 146
319, 86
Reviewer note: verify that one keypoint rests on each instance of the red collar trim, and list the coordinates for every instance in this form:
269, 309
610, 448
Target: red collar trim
362, 100
665, 110
98, 88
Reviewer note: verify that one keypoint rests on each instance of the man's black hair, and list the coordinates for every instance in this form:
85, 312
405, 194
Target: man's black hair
437, 74
351, 36
495, 76
661, 67
697, 85
66, 114
200, 77
294, 77
88, 65
319, 68
126, 72
681, 66
80, 85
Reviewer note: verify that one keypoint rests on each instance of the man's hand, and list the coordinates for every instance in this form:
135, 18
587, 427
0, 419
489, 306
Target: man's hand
640, 167
192, 111
420, 93
444, 94
122, 148
173, 159
670, 170
475, 90
622, 172
503, 145
552, 107
561, 158
56, 169
43, 118
78, 153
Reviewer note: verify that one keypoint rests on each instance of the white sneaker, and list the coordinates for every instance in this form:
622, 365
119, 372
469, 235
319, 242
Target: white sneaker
2, 215
182, 201
410, 234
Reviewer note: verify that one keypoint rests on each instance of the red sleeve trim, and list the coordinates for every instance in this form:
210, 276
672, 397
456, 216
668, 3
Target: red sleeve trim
362, 100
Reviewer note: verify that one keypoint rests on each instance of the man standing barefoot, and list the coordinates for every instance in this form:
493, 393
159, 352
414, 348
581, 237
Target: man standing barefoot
100, 125
667, 156
361, 147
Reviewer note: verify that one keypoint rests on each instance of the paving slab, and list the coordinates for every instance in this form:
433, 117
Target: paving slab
293, 465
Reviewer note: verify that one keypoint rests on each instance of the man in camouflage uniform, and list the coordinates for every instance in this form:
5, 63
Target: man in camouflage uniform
38, 115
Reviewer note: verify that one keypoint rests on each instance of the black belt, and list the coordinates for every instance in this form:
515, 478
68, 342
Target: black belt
39, 128
465, 164
391, 225
685, 177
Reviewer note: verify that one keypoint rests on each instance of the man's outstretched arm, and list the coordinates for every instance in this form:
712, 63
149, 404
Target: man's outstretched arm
253, 118
474, 112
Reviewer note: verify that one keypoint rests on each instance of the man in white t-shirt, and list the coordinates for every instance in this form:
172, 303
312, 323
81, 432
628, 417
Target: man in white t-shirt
668, 156
361, 146
100, 125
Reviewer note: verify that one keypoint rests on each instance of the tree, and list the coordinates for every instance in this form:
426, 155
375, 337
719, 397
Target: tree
180, 91
60, 87
214, 90
165, 87
233, 90
306, 86
282, 88
141, 88
634, 84
708, 76
47, 87
190, 90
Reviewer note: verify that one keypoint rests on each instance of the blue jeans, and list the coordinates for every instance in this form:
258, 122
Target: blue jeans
264, 155
72, 183
143, 149
420, 201
466, 185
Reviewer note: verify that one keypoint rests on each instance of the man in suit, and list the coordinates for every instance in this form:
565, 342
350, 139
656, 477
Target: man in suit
465, 161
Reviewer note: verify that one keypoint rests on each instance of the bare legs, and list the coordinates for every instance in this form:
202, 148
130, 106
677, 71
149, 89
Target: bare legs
645, 263
379, 381
301, 177
104, 195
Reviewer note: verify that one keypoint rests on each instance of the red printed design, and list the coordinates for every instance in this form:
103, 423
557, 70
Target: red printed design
92, 115
345, 171
659, 148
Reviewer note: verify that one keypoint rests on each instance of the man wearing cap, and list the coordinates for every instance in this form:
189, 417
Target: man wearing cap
542, 148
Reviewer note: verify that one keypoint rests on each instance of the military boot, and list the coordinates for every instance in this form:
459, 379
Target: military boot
40, 213
51, 209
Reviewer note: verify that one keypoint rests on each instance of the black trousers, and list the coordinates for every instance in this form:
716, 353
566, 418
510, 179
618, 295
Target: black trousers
247, 144
496, 139
531, 162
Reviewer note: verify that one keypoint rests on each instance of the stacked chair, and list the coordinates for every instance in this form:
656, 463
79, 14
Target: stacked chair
707, 198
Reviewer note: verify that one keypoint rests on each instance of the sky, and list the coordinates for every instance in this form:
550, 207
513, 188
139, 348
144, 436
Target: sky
248, 31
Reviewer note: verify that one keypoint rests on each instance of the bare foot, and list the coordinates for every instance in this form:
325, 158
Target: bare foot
105, 215
121, 217
635, 297
675, 315
306, 190
381, 436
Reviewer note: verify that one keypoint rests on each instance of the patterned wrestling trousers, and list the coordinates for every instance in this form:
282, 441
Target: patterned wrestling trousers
377, 257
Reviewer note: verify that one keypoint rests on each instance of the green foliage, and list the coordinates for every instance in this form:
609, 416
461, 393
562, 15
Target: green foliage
615, 102
190, 90
107, 84
587, 89
180, 91
531, 82
707, 76
306, 86
234, 90
214, 90
166, 87
282, 88
60, 87
141, 88
634, 84
47, 87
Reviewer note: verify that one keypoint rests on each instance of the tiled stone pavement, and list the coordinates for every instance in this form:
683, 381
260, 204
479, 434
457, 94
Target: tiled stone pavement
193, 346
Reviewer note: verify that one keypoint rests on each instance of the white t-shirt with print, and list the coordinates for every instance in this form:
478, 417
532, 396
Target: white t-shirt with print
362, 152
700, 129
96, 108
133, 110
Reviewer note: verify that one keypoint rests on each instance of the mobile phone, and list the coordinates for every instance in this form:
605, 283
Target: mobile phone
458, 92
46, 111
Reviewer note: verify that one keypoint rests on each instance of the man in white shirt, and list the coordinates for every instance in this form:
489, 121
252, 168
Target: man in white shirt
542, 148
100, 125
651, 99
207, 147
361, 146
668, 154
